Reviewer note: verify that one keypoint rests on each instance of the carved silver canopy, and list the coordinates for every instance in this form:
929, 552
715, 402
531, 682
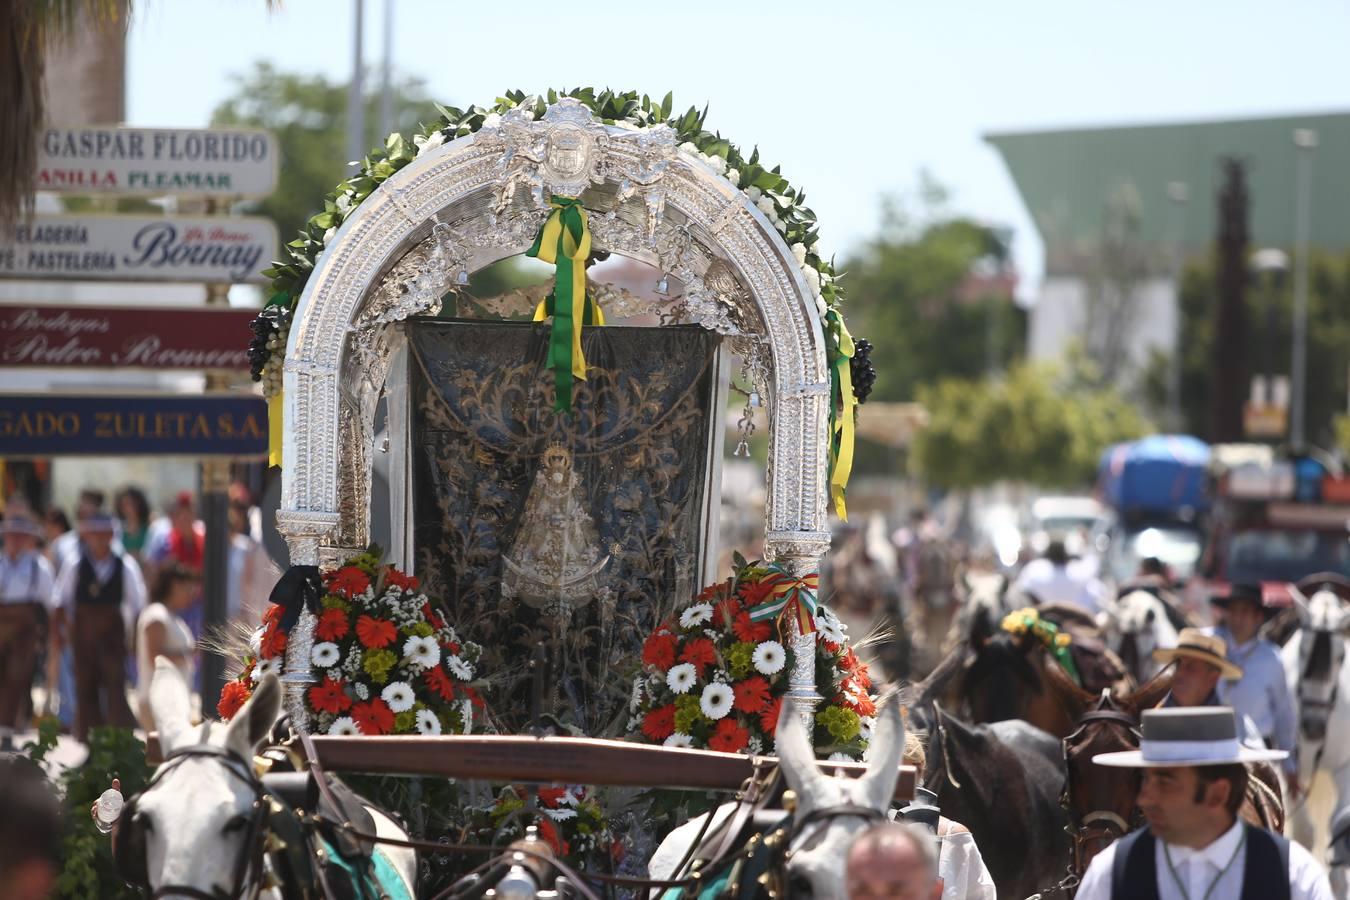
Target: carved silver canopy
469, 203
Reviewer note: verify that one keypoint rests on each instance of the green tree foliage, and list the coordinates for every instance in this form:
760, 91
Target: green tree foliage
910, 294
1270, 312
1037, 425
308, 114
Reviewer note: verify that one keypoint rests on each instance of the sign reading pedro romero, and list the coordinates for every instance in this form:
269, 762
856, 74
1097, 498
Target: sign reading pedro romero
148, 337
56, 425
234, 162
138, 248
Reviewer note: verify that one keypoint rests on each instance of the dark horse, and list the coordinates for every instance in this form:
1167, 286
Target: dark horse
1002, 781
1010, 676
1100, 801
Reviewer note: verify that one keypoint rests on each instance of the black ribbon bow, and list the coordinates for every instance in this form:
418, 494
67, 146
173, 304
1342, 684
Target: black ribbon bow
298, 589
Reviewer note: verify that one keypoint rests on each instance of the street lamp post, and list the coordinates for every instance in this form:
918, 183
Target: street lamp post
1178, 192
1305, 139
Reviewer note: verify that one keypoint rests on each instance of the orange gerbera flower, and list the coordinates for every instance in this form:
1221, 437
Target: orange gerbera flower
729, 736
752, 695
232, 697
347, 581
329, 696
373, 717
332, 625
273, 642
375, 633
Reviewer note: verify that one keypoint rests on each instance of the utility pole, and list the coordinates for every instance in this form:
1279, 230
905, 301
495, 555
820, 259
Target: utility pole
386, 79
1179, 193
1230, 331
356, 101
1305, 139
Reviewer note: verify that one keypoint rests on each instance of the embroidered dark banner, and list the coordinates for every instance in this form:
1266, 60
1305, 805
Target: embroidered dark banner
580, 530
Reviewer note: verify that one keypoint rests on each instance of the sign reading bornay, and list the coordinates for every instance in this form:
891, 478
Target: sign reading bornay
146, 337
138, 248
234, 162
53, 425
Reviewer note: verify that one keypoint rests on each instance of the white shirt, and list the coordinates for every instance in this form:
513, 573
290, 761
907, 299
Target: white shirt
177, 638
1262, 693
1198, 869
962, 869
133, 586
25, 579
1071, 583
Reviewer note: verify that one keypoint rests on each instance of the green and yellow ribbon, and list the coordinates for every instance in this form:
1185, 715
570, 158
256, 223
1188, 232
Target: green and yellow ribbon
790, 597
842, 413
1021, 621
565, 241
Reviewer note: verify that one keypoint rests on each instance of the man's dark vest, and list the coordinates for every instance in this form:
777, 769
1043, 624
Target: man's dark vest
88, 590
1134, 876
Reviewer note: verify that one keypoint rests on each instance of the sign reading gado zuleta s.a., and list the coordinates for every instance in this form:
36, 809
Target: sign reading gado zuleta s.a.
124, 337
138, 248
100, 159
56, 425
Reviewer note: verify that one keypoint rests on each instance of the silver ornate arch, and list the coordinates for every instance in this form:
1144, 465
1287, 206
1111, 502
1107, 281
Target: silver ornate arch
462, 206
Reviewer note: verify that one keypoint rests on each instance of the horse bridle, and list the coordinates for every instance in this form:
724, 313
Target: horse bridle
130, 851
1098, 825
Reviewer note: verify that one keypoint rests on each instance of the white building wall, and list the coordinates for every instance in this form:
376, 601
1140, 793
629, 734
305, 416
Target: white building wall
1059, 316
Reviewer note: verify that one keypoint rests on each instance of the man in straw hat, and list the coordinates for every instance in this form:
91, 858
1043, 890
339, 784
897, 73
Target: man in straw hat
97, 599
1201, 661
25, 592
1262, 692
1195, 847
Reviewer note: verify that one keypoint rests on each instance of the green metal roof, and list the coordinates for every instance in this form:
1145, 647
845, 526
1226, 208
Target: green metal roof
1067, 177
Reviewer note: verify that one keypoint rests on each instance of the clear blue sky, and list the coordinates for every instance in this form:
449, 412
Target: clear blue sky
852, 98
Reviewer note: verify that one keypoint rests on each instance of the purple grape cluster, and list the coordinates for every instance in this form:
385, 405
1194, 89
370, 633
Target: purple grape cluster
860, 368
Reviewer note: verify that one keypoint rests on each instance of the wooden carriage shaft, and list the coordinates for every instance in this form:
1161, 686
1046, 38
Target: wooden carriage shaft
551, 760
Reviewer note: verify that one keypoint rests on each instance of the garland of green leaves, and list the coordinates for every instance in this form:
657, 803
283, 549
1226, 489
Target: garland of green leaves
784, 206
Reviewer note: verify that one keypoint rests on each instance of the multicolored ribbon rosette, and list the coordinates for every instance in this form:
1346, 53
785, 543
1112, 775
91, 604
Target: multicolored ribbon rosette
1021, 621
789, 597
565, 241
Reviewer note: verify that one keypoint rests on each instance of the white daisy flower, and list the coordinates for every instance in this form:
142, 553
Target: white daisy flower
399, 695
696, 615
265, 667
461, 669
681, 678
325, 654
716, 700
422, 652
428, 722
362, 690
344, 725
830, 628
678, 740
769, 658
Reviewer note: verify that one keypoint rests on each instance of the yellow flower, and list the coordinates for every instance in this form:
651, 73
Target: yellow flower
1063, 640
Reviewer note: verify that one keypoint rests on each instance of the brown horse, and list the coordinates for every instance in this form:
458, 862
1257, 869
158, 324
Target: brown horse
1101, 802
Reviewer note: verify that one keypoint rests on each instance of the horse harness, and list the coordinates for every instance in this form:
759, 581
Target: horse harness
1099, 825
129, 850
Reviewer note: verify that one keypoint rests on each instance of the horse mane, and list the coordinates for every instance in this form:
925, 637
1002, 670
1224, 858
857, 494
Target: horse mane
1064, 613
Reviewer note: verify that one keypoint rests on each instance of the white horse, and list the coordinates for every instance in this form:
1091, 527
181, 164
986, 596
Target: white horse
816, 854
1314, 666
192, 822
1136, 625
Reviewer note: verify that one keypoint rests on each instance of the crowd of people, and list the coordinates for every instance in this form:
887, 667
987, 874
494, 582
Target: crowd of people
86, 607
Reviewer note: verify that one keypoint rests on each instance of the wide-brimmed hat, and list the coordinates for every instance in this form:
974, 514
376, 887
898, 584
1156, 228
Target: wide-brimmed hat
20, 523
1246, 593
1183, 736
1193, 643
